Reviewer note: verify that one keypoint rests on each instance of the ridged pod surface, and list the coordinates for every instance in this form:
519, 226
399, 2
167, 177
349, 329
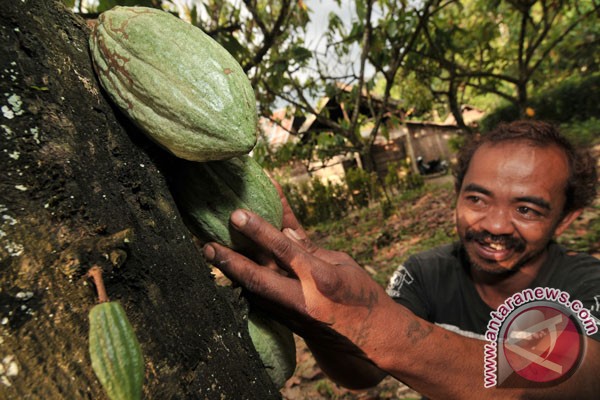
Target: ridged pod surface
175, 82
275, 345
207, 193
115, 352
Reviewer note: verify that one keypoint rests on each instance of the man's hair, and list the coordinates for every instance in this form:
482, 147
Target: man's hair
581, 185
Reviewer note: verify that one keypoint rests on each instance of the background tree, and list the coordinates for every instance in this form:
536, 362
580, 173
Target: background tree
503, 48
359, 66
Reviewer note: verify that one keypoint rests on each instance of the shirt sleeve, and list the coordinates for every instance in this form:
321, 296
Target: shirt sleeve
406, 288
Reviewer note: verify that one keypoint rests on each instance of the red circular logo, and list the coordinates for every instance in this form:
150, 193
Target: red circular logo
542, 344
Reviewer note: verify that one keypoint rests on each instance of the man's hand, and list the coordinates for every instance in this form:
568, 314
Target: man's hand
323, 296
322, 290
274, 286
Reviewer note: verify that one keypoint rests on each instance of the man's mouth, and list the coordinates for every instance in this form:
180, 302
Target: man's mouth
494, 247
493, 250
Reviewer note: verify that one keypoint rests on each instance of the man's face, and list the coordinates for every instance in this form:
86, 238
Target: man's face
510, 204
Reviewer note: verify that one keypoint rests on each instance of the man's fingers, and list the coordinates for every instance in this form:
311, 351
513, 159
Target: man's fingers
299, 237
270, 239
261, 281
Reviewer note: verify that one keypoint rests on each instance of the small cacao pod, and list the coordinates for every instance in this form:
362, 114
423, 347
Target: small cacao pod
275, 345
207, 193
174, 81
115, 352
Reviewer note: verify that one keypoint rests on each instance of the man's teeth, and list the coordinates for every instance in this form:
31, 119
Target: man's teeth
496, 246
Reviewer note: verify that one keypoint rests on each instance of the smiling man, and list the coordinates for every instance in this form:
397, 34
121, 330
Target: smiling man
512, 202
518, 187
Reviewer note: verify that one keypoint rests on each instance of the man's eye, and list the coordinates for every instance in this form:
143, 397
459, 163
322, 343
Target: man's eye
474, 199
528, 211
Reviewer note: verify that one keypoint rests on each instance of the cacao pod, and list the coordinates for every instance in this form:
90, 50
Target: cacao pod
174, 81
275, 345
115, 352
207, 193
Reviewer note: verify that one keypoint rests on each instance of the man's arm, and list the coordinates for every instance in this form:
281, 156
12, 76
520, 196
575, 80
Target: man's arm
341, 308
346, 369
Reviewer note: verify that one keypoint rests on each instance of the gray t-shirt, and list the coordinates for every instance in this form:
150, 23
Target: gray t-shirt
436, 285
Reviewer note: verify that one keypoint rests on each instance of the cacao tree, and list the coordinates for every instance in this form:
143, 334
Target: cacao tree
506, 49
359, 65
82, 187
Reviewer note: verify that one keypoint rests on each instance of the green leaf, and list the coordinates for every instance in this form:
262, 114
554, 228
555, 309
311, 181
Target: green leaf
391, 29
301, 54
335, 22
361, 9
194, 15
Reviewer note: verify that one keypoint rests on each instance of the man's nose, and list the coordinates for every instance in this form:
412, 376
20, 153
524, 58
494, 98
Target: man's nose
497, 221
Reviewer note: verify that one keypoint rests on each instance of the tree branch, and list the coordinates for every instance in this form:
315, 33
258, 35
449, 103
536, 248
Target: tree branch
270, 36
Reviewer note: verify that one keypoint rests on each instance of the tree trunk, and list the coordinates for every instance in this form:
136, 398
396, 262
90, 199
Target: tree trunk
75, 174
522, 98
455, 107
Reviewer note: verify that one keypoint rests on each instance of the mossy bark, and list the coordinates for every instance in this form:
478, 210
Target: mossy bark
81, 186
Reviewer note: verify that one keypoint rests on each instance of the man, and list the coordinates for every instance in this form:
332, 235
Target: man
517, 188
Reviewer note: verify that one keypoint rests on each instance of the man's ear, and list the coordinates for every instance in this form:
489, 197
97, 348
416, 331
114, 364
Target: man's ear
566, 221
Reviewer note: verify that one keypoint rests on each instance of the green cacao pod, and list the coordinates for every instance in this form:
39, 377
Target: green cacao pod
115, 352
207, 193
174, 81
275, 345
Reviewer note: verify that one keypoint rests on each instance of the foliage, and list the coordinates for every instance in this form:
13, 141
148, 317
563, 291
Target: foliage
369, 49
456, 142
295, 195
572, 101
582, 133
400, 177
362, 186
506, 48
315, 201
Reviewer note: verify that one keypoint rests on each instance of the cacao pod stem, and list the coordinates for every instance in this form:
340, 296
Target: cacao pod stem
96, 274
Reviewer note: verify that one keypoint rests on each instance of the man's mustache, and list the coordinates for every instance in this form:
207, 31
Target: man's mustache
508, 241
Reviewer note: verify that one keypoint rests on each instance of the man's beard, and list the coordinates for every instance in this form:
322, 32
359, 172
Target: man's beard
507, 241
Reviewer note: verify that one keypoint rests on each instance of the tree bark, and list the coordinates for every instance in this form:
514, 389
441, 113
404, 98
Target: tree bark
77, 178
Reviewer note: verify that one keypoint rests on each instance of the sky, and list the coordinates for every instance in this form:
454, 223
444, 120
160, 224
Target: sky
320, 10
320, 16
